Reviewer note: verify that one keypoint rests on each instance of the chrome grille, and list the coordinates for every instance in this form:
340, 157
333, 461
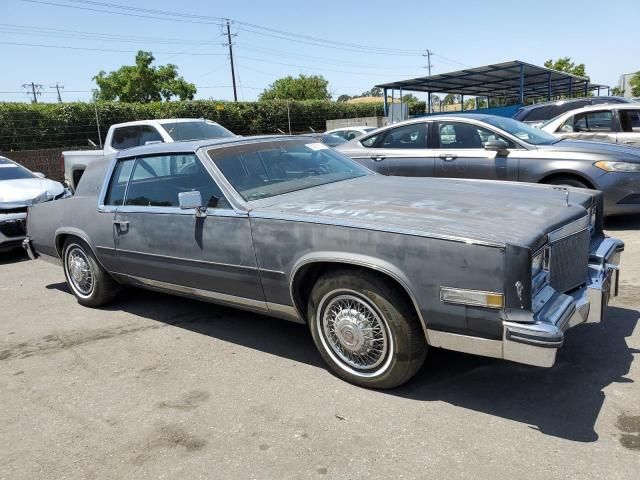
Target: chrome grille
569, 261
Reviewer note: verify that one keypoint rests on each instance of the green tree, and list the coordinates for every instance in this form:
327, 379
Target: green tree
143, 82
450, 99
375, 92
635, 85
617, 91
564, 64
410, 98
344, 98
305, 87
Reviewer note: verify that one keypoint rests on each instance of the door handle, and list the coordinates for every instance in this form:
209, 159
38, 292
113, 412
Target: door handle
628, 142
377, 158
121, 223
448, 157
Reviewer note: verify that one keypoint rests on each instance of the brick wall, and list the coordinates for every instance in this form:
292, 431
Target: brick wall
46, 160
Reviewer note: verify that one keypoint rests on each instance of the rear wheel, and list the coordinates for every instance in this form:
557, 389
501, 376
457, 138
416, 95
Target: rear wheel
365, 329
568, 181
89, 282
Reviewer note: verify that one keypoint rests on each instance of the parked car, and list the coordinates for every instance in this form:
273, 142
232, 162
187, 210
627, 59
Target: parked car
379, 268
602, 123
349, 133
498, 148
538, 113
20, 188
132, 134
326, 138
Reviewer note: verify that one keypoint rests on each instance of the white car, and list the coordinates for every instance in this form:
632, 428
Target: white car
349, 133
19, 189
612, 123
132, 134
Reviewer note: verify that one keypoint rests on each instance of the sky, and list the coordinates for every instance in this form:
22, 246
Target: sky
354, 45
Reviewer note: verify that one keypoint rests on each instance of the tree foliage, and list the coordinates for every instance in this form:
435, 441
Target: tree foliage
305, 87
564, 64
143, 82
410, 98
635, 85
617, 91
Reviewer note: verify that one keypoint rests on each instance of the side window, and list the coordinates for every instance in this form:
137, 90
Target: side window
593, 122
465, 135
148, 134
629, 120
407, 136
156, 181
370, 142
351, 134
339, 133
125, 137
118, 183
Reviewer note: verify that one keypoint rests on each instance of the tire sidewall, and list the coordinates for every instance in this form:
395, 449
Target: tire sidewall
398, 368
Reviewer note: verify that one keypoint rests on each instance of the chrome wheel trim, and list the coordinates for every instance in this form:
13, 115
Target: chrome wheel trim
79, 271
354, 333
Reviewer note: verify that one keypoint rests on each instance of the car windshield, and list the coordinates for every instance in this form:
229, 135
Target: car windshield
522, 131
12, 171
196, 130
265, 169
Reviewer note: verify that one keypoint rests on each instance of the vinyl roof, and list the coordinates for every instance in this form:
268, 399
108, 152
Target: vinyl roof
500, 79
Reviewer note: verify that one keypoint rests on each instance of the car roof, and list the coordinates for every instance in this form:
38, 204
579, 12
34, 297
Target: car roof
195, 145
162, 121
610, 99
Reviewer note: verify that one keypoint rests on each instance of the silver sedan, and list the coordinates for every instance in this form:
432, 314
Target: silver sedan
498, 148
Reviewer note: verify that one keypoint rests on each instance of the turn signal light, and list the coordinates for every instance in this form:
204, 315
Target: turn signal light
471, 297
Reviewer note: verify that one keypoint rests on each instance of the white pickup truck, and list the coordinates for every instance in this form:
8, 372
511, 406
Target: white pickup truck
132, 134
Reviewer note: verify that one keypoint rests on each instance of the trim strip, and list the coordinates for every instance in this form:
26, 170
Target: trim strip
190, 260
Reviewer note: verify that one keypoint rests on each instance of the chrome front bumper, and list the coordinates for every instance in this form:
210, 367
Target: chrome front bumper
28, 246
537, 343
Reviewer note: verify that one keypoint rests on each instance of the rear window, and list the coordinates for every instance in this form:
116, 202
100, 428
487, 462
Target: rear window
196, 130
13, 171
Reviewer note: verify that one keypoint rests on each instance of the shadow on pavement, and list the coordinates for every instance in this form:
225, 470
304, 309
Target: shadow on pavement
563, 401
13, 256
622, 223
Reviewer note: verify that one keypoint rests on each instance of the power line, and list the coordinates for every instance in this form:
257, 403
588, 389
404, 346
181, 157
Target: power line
107, 50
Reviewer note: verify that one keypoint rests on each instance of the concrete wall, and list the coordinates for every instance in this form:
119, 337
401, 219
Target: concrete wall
356, 122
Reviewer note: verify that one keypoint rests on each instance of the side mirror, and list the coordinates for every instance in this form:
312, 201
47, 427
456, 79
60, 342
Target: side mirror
495, 145
39, 174
192, 200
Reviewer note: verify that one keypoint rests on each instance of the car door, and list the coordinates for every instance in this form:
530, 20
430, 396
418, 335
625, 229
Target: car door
596, 125
629, 127
161, 245
461, 152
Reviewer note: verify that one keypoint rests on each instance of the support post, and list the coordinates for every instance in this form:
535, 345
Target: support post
462, 102
608, 91
429, 102
401, 116
570, 87
384, 103
549, 86
521, 84
586, 89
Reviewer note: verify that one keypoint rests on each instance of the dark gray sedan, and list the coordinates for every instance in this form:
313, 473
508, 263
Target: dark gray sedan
497, 148
379, 268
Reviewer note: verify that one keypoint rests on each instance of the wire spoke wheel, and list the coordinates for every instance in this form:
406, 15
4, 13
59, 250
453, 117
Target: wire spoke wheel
356, 332
80, 272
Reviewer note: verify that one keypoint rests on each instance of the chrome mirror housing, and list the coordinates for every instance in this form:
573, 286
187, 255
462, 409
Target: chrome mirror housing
189, 200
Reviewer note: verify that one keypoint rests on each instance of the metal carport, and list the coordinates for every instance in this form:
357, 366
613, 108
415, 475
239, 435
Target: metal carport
514, 79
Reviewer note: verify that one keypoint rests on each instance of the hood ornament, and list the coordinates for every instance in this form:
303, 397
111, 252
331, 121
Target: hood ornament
566, 193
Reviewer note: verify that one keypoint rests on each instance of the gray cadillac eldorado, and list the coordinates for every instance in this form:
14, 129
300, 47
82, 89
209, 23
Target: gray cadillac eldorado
381, 268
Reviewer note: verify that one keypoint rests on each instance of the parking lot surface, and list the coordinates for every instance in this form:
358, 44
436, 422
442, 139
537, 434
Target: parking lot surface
156, 386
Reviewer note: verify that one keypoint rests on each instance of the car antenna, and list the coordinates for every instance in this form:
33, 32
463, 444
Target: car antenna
280, 130
311, 128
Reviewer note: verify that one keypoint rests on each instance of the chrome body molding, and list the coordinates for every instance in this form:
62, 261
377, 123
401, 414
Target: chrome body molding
286, 312
181, 259
569, 229
537, 342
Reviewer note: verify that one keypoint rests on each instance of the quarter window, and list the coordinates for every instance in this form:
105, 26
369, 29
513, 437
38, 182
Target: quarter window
629, 120
125, 137
118, 185
156, 181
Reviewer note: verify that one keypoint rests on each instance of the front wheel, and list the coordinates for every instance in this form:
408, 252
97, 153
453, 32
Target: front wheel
365, 329
89, 282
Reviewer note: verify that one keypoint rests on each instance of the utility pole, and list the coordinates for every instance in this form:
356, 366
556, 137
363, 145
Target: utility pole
58, 87
35, 90
233, 73
428, 55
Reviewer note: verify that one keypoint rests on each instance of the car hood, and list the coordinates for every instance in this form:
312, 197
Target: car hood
27, 191
494, 212
619, 152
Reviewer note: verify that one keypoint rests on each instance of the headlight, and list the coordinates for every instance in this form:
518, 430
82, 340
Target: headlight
618, 166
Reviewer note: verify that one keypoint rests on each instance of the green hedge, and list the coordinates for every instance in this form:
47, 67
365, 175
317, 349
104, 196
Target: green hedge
30, 126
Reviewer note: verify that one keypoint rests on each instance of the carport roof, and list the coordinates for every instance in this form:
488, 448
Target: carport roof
500, 79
